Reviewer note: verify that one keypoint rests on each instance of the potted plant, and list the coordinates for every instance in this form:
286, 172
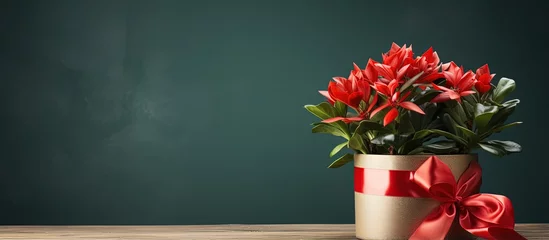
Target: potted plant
414, 124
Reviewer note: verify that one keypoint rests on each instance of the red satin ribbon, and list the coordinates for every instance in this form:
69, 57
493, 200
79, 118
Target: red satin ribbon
488, 216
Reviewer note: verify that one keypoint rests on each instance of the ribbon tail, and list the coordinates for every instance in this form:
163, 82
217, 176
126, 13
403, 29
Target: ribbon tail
436, 225
489, 216
498, 233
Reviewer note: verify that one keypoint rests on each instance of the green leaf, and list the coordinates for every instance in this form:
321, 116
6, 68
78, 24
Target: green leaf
435, 124
330, 129
416, 120
366, 125
380, 115
470, 135
503, 113
456, 112
426, 132
483, 114
461, 114
410, 82
441, 147
405, 124
340, 109
469, 109
425, 96
362, 105
410, 146
357, 143
511, 103
353, 126
450, 123
496, 150
471, 99
422, 134
431, 112
342, 161
323, 110
384, 139
501, 128
416, 151
508, 146
504, 87
338, 148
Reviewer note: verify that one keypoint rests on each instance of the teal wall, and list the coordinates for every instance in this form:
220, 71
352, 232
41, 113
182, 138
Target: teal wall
191, 112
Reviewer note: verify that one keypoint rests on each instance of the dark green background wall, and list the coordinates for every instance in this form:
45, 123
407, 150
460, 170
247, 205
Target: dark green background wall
191, 112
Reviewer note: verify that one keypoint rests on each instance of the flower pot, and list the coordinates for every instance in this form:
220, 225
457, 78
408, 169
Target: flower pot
378, 216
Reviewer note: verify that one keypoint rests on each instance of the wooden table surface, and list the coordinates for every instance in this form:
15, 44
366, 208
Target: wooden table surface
201, 232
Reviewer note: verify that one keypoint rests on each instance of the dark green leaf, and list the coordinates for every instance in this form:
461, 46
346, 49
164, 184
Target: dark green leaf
384, 139
330, 129
431, 111
461, 114
338, 148
441, 147
450, 124
469, 109
470, 135
366, 125
410, 146
418, 150
471, 99
508, 146
511, 103
483, 114
496, 150
426, 132
342, 161
323, 110
501, 116
405, 124
435, 124
425, 96
422, 134
416, 119
501, 128
379, 149
353, 126
357, 143
504, 87
410, 82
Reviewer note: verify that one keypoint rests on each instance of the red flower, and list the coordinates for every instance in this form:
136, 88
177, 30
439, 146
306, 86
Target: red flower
328, 97
394, 100
395, 64
350, 91
347, 90
458, 84
388, 73
483, 77
370, 73
363, 114
429, 64
397, 57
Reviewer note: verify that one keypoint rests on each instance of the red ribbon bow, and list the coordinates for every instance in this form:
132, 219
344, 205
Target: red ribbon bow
488, 216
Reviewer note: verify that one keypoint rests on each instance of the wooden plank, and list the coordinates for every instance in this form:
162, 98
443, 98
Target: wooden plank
203, 232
